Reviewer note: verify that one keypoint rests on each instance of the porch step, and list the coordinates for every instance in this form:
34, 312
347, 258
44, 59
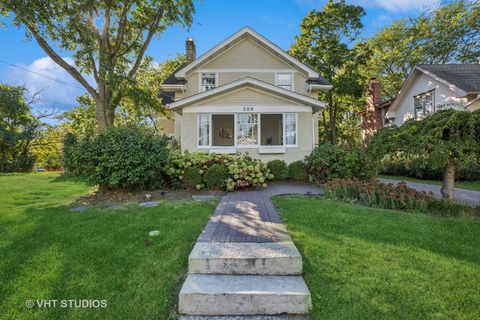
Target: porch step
221, 295
277, 258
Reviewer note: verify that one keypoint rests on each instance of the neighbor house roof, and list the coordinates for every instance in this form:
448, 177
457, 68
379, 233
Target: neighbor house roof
247, 81
463, 76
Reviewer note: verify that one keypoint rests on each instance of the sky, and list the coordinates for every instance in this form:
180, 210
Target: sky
214, 21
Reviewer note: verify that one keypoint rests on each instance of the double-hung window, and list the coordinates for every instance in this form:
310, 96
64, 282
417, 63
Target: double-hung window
424, 104
208, 81
247, 129
203, 130
284, 80
290, 124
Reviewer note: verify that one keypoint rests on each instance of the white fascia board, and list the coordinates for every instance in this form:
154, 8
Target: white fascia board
322, 87
173, 87
246, 30
251, 81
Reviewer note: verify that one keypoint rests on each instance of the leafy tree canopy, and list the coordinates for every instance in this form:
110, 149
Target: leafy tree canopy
108, 39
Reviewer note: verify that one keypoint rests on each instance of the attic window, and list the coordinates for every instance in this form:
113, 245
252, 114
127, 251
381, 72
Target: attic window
208, 81
424, 104
284, 80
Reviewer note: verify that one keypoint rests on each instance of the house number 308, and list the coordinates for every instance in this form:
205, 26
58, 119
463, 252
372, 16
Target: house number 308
247, 108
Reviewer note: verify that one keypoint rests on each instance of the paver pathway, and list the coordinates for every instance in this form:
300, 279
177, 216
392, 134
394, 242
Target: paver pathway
465, 196
249, 216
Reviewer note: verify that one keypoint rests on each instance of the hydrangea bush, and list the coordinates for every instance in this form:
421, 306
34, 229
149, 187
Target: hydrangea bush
243, 171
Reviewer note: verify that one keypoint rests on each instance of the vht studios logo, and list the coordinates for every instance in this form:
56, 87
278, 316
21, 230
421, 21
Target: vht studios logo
66, 303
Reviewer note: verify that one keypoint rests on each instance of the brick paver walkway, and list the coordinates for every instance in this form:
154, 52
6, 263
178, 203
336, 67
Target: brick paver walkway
249, 216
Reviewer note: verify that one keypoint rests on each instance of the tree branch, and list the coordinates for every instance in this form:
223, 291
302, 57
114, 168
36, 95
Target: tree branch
62, 63
121, 27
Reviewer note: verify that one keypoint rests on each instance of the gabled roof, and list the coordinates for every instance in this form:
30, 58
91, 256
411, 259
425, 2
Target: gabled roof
312, 74
463, 76
267, 87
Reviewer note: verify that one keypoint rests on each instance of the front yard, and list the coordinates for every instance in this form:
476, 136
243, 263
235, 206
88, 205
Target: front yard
469, 185
49, 252
364, 263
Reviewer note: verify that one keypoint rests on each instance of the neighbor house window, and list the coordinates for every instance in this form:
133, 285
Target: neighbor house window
290, 124
208, 81
423, 104
284, 80
247, 129
203, 129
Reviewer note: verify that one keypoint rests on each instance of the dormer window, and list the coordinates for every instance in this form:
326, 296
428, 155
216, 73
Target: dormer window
208, 81
284, 80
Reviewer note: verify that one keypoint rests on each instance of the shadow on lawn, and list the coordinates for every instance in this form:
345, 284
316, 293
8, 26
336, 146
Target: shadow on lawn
97, 254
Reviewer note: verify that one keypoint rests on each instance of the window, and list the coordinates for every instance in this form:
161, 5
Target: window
271, 129
290, 124
203, 129
222, 129
208, 81
247, 129
284, 80
423, 104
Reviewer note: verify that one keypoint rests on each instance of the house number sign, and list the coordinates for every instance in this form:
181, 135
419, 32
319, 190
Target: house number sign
247, 108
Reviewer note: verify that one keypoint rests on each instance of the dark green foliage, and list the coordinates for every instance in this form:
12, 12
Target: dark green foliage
297, 171
121, 157
329, 161
192, 177
278, 168
216, 176
18, 128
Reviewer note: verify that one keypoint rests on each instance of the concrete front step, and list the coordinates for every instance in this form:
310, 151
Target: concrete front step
221, 295
277, 258
257, 317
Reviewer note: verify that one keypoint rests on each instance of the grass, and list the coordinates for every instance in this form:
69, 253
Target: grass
471, 185
49, 252
365, 263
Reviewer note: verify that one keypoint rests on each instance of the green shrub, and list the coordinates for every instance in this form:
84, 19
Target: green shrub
278, 168
243, 171
192, 178
216, 176
297, 170
330, 161
118, 158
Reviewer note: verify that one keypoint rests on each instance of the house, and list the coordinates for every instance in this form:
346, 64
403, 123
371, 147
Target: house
427, 89
245, 95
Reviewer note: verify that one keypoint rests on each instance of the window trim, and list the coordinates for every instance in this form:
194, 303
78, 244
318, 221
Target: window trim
200, 75
292, 77
259, 126
432, 92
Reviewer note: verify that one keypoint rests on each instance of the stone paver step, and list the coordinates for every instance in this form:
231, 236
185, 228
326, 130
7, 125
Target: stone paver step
257, 317
278, 258
243, 295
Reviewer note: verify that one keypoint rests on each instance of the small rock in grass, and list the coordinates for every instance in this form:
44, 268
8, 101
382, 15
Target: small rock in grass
148, 196
114, 207
149, 204
154, 233
208, 197
79, 209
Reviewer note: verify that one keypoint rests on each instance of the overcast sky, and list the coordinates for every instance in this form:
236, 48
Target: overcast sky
215, 20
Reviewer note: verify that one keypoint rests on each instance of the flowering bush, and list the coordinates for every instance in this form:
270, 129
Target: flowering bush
243, 171
376, 194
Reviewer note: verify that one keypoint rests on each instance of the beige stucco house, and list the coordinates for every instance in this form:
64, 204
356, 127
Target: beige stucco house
245, 95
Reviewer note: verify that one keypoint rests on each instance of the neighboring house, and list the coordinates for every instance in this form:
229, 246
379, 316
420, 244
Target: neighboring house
427, 89
245, 95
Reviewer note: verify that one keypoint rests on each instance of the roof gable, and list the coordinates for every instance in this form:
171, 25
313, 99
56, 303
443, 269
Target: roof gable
464, 76
247, 32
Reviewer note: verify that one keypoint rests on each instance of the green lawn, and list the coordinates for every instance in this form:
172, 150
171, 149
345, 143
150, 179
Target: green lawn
472, 185
49, 252
364, 263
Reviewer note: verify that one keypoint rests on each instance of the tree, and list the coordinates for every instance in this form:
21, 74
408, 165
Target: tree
448, 34
107, 38
18, 128
325, 44
47, 147
446, 138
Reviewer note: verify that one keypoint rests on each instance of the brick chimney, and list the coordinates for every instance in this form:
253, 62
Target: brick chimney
191, 53
372, 120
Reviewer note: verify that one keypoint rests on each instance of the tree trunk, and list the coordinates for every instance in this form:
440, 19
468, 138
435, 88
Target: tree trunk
448, 187
332, 118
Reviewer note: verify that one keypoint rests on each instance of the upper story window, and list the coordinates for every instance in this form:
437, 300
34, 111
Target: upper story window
284, 80
424, 104
208, 81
